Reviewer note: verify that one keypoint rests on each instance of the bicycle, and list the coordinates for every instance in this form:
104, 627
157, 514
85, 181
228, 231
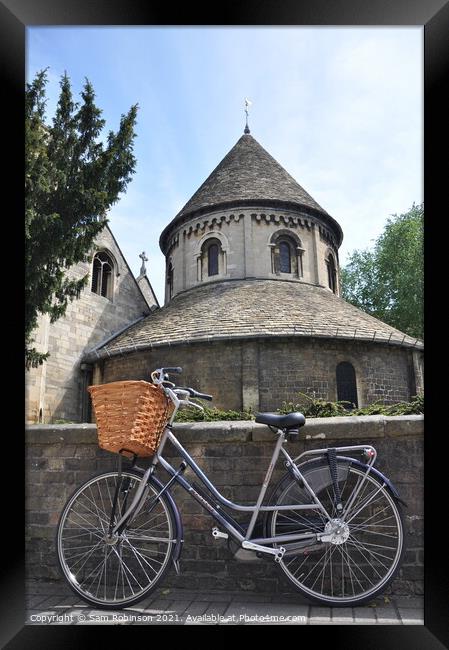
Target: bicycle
333, 523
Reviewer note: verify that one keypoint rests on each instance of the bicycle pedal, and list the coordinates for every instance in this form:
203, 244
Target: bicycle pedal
217, 533
243, 555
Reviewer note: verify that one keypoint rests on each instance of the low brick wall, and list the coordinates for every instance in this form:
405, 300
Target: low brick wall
235, 456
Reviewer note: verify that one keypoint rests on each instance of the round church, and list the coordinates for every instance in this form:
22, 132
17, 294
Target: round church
252, 309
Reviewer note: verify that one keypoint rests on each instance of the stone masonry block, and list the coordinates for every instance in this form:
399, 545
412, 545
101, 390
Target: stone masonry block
237, 468
404, 425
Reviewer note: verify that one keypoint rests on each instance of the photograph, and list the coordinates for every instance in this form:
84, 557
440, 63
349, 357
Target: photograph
224, 325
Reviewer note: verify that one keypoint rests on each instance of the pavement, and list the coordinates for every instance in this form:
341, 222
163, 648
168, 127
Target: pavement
53, 603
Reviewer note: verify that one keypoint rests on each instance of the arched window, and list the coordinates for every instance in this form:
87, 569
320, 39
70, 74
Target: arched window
102, 275
170, 279
212, 260
286, 254
347, 385
285, 257
331, 273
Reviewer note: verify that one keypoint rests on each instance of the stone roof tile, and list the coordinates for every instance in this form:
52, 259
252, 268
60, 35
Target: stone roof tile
248, 171
248, 174
253, 308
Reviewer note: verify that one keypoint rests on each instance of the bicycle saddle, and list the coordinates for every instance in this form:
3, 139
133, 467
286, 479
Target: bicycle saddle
289, 421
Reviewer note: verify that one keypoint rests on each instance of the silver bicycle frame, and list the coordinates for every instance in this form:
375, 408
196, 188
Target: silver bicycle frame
232, 526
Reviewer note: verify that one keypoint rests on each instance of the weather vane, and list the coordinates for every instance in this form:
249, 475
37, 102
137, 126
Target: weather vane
247, 104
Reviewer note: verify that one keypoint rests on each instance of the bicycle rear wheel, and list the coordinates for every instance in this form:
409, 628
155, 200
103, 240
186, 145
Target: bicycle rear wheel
114, 572
367, 544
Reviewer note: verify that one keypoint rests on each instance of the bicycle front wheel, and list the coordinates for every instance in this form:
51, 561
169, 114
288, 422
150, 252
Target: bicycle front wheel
114, 571
365, 546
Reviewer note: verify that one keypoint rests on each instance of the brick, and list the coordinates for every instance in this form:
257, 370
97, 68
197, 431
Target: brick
342, 614
34, 464
85, 451
319, 615
205, 563
363, 615
412, 616
409, 602
37, 517
60, 451
34, 451
404, 425
64, 478
412, 572
387, 615
80, 464
196, 608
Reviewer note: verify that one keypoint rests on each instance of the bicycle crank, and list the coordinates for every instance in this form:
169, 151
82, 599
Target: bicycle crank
277, 552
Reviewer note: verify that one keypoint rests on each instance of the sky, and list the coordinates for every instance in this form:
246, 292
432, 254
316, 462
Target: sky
341, 109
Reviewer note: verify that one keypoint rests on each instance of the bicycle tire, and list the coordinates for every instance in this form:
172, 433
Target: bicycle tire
366, 562
136, 555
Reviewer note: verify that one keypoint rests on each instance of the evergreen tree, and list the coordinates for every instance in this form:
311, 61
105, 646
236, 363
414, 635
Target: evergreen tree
388, 281
71, 180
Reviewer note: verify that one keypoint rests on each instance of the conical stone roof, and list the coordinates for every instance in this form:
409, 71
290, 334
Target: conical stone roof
248, 174
243, 309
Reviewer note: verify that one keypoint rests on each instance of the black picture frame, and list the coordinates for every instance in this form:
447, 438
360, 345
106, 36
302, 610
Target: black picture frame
433, 15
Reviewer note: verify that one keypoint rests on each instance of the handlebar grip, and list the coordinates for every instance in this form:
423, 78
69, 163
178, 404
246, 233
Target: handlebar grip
204, 396
177, 370
195, 393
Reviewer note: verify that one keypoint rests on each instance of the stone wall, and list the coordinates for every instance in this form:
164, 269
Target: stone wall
245, 237
235, 455
54, 390
262, 374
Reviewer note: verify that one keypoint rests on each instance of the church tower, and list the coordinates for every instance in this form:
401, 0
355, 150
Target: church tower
253, 309
251, 219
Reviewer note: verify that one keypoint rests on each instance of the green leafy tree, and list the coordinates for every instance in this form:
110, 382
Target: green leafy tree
388, 281
72, 178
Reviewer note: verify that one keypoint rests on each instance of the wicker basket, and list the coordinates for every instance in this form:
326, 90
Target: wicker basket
130, 415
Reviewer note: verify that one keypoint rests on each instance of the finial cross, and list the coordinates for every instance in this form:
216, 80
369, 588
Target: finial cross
144, 259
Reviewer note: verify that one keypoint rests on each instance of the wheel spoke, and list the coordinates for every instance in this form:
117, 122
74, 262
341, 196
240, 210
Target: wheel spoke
354, 542
90, 511
99, 531
361, 506
363, 549
117, 569
138, 555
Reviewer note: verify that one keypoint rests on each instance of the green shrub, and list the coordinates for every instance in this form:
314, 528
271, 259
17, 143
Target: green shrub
313, 407
414, 407
211, 415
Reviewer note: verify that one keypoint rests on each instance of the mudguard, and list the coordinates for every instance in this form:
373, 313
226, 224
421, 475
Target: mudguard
178, 521
179, 532
382, 477
346, 459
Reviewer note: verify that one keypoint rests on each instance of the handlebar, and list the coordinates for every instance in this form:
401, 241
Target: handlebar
194, 393
161, 374
177, 393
